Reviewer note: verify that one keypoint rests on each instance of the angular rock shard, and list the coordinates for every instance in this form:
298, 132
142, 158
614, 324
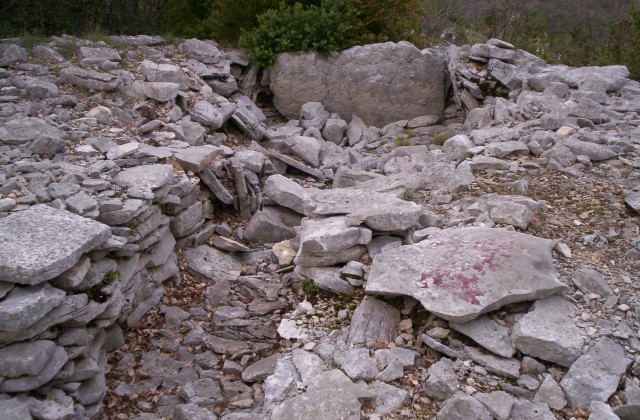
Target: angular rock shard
459, 274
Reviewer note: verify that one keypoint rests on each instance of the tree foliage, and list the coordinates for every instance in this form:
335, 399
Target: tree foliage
575, 32
332, 25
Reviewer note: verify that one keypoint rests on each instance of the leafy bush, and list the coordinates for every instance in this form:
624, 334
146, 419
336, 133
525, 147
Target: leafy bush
332, 25
309, 288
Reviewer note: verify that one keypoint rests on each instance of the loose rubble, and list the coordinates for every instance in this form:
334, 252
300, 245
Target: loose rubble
448, 233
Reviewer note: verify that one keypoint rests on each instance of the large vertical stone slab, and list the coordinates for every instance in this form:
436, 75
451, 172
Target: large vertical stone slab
380, 83
42, 242
459, 274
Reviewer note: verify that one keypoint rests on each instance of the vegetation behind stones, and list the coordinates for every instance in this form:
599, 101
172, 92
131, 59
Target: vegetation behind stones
574, 32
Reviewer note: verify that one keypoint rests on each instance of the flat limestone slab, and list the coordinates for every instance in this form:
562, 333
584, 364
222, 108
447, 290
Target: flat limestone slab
459, 274
40, 243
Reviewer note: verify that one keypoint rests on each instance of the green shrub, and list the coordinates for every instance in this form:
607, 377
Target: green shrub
331, 25
30, 40
309, 288
407, 194
94, 293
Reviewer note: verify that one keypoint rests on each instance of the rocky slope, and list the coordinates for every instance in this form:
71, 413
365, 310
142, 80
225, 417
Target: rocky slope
172, 250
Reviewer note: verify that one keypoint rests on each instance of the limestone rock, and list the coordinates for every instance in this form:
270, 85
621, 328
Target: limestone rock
442, 381
595, 375
24, 130
463, 407
23, 307
548, 332
499, 403
374, 321
41, 243
489, 334
370, 81
90, 79
460, 274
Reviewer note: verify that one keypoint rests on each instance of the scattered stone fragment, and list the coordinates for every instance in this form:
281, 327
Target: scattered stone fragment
489, 334
548, 332
551, 394
499, 403
595, 375
463, 407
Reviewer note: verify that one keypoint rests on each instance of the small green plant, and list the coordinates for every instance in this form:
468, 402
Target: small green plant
97, 35
469, 155
402, 141
309, 288
94, 292
410, 133
29, 40
169, 37
439, 139
407, 194
67, 49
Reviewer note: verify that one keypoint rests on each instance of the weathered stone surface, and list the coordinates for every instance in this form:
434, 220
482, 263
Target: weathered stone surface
144, 180
551, 394
41, 243
531, 410
197, 158
442, 381
164, 73
596, 374
463, 407
489, 334
371, 81
373, 322
388, 398
309, 365
356, 363
25, 359
460, 274
24, 130
326, 278
499, 403
601, 411
161, 91
325, 242
456, 147
212, 264
379, 211
27, 383
210, 115
633, 200
90, 79
548, 332
23, 307
267, 226
259, 370
509, 368
595, 152
512, 213
202, 51
591, 281
507, 148
192, 412
320, 404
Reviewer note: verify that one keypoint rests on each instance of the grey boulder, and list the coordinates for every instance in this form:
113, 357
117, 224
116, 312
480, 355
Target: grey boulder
370, 81
459, 274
